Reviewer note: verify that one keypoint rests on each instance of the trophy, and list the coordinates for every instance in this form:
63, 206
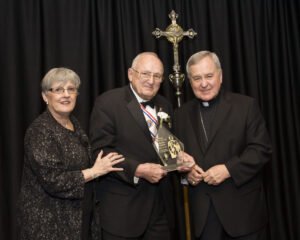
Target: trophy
167, 145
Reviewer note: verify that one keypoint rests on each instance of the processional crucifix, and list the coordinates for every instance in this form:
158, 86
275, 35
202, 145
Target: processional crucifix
174, 34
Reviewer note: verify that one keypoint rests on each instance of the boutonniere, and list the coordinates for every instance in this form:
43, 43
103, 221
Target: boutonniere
164, 117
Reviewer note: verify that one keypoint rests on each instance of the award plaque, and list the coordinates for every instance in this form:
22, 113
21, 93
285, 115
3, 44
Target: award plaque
168, 147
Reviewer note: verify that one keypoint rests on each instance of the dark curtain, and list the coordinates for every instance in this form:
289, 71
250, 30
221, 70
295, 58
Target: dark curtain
258, 42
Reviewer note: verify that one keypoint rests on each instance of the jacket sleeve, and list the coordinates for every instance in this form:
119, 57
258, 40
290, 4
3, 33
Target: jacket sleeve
257, 148
103, 136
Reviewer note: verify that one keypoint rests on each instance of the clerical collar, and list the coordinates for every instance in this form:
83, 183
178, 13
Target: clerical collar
207, 104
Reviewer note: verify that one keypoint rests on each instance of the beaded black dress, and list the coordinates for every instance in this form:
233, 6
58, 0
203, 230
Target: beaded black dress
54, 198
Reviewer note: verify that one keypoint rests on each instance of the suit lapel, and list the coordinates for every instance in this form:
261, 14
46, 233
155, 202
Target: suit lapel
194, 115
136, 112
223, 110
159, 106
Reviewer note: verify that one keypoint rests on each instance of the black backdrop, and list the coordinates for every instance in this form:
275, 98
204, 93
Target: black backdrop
258, 42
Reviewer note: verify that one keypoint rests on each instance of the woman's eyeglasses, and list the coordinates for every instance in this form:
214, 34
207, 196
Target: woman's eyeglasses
61, 90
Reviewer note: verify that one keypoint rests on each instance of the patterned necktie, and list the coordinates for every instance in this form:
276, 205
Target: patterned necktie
151, 120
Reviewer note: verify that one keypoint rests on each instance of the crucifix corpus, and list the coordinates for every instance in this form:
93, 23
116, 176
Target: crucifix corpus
174, 34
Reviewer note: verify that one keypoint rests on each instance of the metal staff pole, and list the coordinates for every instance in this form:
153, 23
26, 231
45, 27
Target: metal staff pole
174, 34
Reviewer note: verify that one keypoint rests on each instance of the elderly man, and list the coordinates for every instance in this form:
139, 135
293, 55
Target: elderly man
226, 134
137, 203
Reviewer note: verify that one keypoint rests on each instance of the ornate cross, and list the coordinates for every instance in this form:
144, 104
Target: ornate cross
174, 33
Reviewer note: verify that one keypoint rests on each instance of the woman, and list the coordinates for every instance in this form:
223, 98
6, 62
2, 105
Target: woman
56, 192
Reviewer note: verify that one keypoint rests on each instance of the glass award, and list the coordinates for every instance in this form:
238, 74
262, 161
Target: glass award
168, 147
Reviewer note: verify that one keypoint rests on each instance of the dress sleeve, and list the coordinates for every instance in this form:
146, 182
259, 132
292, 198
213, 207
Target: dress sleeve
49, 164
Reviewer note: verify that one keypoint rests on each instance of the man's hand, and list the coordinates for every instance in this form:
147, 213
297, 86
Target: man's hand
195, 175
151, 172
216, 175
187, 161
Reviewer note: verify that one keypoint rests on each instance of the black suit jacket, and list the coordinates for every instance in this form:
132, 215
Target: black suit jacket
118, 124
239, 140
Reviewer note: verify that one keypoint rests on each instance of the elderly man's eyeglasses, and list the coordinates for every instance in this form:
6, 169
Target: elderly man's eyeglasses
147, 75
61, 90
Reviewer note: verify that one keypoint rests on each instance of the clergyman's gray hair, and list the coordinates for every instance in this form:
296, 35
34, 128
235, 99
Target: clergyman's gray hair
197, 57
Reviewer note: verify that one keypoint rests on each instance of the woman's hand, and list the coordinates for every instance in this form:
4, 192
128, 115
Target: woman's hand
103, 165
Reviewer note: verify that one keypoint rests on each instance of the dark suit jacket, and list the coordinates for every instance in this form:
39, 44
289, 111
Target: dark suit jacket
118, 124
239, 140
